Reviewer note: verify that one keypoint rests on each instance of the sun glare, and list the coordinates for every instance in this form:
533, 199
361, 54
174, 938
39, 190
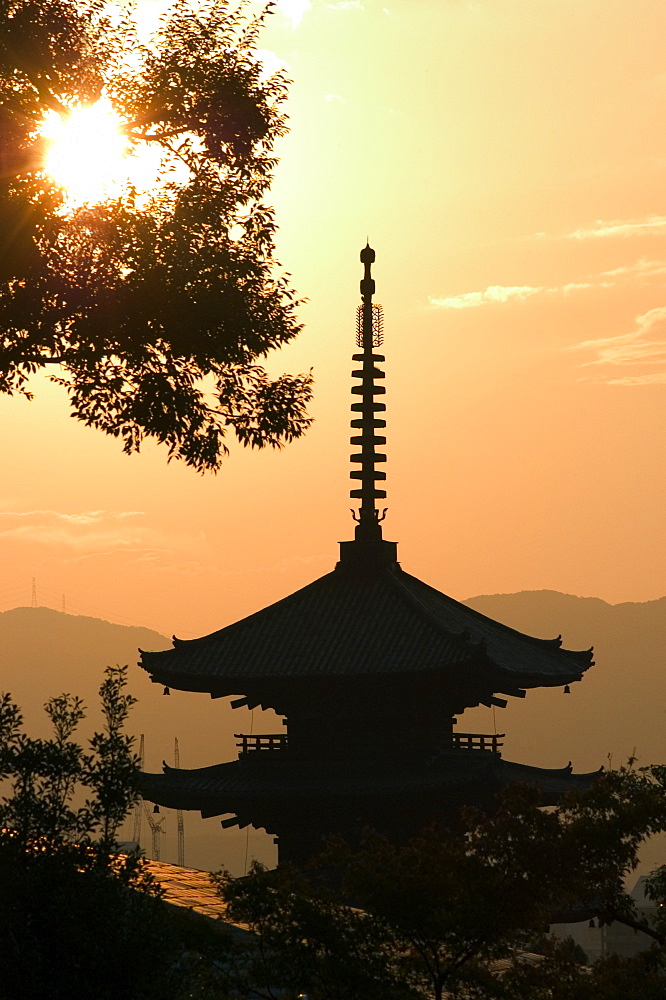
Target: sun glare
86, 152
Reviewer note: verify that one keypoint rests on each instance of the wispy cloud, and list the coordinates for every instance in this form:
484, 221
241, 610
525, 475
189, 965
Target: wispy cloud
601, 229
120, 538
643, 347
270, 62
83, 530
294, 10
80, 519
642, 269
655, 378
493, 293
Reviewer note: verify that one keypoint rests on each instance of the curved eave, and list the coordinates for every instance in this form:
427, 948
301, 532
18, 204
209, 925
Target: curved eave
498, 640
515, 684
225, 788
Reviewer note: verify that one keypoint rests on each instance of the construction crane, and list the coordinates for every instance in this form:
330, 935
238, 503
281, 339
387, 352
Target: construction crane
157, 832
138, 812
179, 812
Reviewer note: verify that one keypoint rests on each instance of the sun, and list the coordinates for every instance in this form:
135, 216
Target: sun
87, 152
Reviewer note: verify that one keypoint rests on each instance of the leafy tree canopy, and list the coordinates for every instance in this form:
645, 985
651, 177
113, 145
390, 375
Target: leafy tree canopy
306, 940
154, 305
76, 919
437, 914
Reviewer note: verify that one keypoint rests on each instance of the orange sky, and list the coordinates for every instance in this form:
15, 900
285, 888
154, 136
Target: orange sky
506, 159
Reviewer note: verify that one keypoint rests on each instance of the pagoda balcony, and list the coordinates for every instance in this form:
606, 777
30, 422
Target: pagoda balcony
273, 742
265, 742
478, 741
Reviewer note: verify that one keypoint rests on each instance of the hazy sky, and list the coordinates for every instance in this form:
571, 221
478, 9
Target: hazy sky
506, 159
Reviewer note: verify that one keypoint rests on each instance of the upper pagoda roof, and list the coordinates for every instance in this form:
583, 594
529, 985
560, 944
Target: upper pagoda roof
361, 621
368, 617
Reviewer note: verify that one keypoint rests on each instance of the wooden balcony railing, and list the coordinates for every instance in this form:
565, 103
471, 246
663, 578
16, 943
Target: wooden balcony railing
265, 741
478, 741
272, 742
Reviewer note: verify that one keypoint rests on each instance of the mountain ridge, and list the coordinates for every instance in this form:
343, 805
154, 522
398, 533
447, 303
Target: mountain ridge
619, 708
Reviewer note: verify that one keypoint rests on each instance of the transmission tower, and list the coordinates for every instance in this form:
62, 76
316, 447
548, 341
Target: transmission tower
136, 831
157, 832
33, 601
179, 812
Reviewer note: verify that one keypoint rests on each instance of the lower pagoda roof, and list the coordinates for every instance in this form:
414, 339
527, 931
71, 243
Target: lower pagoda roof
367, 617
243, 785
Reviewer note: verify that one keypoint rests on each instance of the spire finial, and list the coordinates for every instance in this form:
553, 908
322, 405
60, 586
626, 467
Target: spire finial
369, 334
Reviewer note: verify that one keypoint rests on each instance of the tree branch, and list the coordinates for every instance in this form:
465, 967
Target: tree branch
636, 925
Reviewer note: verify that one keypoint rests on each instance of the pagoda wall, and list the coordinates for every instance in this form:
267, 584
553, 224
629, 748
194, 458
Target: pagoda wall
381, 719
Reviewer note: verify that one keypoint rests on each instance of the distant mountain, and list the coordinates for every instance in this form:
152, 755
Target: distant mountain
619, 708
45, 653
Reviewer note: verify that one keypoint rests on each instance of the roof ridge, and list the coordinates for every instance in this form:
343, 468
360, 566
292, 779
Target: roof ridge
555, 643
204, 639
463, 636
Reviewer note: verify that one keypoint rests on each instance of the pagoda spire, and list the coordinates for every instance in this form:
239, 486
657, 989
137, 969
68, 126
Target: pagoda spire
369, 335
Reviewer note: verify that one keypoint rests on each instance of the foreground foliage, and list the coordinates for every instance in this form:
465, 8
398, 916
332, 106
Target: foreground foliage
436, 916
451, 914
560, 974
153, 307
76, 919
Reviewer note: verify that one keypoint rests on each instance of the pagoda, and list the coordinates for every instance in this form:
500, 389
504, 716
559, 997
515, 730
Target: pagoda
370, 668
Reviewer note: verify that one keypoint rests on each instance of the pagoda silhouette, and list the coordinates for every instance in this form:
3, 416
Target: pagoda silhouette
369, 668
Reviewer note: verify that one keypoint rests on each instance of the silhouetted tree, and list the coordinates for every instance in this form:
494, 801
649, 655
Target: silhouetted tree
77, 920
305, 940
151, 308
560, 973
439, 911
